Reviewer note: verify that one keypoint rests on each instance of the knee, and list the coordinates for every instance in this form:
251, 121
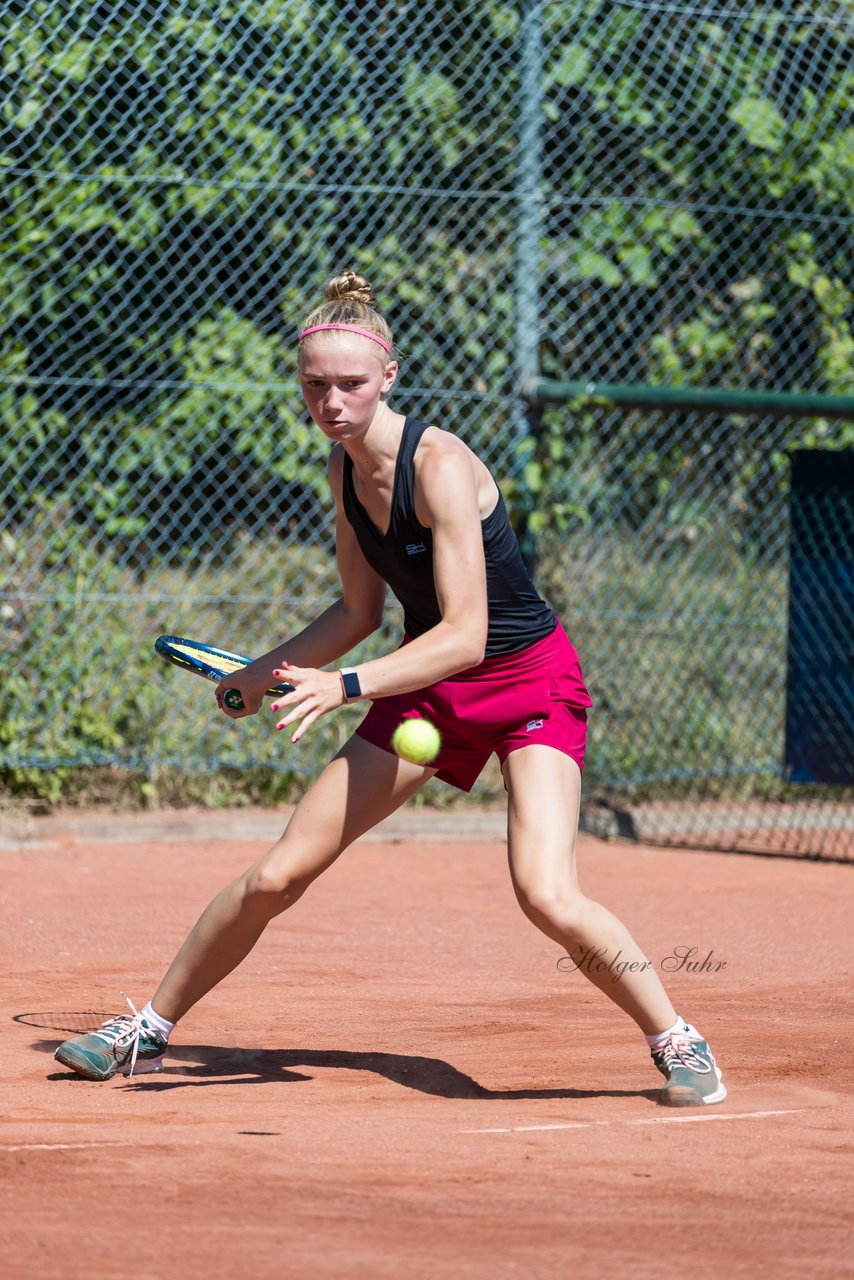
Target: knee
555, 907
271, 890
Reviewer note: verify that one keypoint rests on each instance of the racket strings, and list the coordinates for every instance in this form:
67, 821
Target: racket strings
204, 660
226, 665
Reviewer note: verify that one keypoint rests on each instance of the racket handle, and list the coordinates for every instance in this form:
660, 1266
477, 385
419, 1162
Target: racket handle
231, 697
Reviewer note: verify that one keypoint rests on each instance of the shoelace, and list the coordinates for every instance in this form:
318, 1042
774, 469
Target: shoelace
678, 1052
124, 1029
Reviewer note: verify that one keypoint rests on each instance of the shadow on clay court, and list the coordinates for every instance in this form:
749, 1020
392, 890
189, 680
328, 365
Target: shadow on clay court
211, 1064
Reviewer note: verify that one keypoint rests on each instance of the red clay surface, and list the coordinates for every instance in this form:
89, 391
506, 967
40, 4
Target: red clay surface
400, 1082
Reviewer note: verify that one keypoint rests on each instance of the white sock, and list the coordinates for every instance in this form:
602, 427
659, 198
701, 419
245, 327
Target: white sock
159, 1024
656, 1041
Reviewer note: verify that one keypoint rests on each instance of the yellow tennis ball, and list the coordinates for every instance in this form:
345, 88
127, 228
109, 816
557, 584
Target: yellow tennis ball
417, 741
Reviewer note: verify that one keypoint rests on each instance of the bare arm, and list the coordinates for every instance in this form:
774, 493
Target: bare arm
338, 629
447, 502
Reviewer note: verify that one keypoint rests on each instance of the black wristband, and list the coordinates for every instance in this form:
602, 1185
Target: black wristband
350, 681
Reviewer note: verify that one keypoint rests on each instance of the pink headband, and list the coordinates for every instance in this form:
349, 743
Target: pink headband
351, 328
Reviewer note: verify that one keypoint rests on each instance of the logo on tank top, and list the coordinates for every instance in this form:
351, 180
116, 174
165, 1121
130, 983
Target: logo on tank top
415, 548
533, 724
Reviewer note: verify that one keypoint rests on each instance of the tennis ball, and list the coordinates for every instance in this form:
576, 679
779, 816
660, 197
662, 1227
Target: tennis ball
417, 741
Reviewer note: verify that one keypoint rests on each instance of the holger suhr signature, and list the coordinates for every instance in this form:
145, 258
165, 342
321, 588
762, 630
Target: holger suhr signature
682, 959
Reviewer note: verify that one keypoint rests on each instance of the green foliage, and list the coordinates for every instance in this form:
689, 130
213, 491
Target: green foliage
192, 150
91, 693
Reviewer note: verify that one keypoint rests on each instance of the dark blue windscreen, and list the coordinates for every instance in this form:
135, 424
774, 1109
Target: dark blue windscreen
820, 683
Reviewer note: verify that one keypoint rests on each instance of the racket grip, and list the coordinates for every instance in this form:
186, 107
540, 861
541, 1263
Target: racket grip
233, 700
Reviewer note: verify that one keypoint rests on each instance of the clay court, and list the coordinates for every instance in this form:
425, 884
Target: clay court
400, 1081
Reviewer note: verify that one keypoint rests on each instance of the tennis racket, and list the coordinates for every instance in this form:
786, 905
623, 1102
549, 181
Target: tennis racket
213, 664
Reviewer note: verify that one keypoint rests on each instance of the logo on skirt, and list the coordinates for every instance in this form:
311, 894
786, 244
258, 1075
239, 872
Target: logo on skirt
533, 724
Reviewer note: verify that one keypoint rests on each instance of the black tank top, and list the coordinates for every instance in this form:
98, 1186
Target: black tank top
403, 557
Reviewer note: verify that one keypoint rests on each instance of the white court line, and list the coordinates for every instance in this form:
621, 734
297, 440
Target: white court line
733, 1115
536, 1128
592, 1124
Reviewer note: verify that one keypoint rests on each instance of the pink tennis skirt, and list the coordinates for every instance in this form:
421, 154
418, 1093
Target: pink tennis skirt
536, 696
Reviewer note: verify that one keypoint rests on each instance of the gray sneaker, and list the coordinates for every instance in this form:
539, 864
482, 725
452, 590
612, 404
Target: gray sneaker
690, 1070
125, 1044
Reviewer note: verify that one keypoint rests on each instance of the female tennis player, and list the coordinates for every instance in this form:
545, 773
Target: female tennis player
483, 658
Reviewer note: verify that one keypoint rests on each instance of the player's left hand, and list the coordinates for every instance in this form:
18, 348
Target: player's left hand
314, 693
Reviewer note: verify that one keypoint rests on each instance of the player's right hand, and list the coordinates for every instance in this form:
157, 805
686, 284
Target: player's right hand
251, 701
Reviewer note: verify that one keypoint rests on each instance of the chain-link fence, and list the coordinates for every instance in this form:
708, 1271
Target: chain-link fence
644, 194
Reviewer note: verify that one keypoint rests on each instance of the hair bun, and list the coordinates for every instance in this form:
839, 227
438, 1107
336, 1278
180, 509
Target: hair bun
350, 287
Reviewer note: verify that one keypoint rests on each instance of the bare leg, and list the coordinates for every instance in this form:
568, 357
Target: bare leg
544, 788
356, 790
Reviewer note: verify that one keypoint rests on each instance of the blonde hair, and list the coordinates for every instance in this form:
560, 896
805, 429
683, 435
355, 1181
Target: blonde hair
350, 301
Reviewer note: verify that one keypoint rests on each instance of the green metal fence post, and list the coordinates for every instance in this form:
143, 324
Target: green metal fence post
528, 235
